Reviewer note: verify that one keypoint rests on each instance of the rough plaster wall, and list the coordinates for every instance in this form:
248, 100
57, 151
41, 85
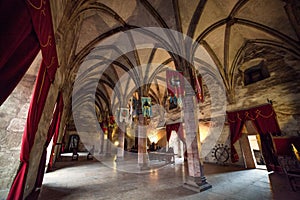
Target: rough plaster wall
13, 114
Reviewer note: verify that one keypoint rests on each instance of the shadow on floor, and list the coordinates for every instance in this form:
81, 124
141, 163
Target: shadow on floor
281, 187
51, 192
91, 179
210, 168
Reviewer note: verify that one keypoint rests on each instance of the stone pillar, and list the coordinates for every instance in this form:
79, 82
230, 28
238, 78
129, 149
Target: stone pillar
121, 139
104, 144
108, 142
179, 151
101, 145
143, 159
195, 179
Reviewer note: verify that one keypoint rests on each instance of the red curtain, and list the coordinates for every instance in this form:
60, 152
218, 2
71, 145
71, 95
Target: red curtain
236, 125
52, 132
266, 124
283, 145
19, 44
39, 14
175, 127
56, 133
265, 121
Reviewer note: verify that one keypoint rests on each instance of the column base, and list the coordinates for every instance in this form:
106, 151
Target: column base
107, 154
197, 187
143, 167
119, 159
99, 157
143, 161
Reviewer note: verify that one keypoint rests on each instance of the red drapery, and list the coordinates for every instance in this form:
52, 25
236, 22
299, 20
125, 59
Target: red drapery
283, 145
175, 127
264, 119
55, 136
19, 45
236, 125
52, 132
38, 13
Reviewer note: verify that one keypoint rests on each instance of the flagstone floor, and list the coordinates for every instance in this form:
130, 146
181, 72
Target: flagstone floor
107, 179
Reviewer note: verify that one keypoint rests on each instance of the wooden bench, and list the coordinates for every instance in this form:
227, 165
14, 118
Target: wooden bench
89, 156
163, 155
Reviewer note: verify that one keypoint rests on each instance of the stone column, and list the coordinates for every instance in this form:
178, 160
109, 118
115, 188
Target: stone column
109, 141
179, 150
143, 159
121, 138
195, 179
101, 143
104, 144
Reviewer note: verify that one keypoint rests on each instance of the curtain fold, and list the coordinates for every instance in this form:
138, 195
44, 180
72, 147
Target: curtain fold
56, 132
19, 45
41, 24
236, 125
264, 117
16, 191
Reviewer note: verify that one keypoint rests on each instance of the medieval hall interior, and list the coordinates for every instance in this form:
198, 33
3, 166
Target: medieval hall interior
150, 99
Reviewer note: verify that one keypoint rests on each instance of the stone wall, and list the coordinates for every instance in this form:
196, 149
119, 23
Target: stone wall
282, 88
13, 114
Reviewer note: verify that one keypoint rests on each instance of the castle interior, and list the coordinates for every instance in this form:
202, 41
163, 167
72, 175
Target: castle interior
150, 99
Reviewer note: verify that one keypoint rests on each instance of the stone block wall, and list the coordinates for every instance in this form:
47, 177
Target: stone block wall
282, 88
13, 114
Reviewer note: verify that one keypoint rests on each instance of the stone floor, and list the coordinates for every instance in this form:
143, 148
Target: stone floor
107, 179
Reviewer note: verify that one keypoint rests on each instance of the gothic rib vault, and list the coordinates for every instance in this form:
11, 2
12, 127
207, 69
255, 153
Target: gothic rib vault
225, 38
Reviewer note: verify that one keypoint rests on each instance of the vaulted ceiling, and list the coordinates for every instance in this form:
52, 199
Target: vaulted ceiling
112, 39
